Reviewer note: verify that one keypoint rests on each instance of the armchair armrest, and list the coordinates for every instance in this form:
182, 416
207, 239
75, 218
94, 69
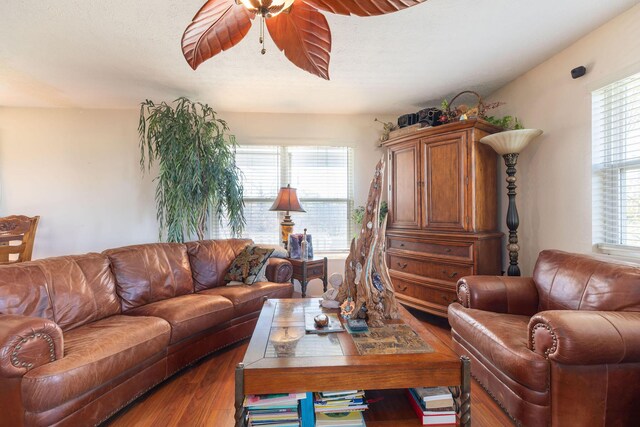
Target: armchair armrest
578, 337
26, 343
279, 270
499, 294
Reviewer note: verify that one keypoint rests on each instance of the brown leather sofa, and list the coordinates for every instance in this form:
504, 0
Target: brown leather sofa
561, 348
82, 336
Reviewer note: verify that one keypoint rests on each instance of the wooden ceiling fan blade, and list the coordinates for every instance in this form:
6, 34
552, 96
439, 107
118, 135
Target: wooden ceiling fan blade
304, 36
362, 7
218, 25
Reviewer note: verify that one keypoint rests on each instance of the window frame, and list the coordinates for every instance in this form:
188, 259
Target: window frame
285, 176
611, 166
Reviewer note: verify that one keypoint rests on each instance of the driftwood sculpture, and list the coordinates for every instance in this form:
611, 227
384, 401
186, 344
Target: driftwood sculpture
367, 281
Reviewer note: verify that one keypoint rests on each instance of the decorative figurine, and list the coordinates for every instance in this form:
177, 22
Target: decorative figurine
347, 308
321, 320
329, 297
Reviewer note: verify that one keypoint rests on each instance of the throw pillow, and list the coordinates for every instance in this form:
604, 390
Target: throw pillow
278, 252
247, 265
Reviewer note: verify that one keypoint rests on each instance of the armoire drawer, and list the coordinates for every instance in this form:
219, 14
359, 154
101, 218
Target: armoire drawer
463, 250
432, 269
424, 292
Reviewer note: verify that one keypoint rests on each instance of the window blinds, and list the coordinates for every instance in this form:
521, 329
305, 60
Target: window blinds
616, 165
323, 177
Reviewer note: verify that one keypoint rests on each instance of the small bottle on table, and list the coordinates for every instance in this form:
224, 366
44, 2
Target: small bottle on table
304, 252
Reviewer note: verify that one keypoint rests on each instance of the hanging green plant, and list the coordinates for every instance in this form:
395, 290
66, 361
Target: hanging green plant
197, 174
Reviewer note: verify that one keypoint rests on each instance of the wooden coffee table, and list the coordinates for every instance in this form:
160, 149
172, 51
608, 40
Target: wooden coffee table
297, 362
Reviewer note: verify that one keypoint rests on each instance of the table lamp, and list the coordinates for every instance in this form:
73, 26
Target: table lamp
509, 144
287, 201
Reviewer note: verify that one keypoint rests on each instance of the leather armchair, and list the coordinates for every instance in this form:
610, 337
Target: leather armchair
561, 348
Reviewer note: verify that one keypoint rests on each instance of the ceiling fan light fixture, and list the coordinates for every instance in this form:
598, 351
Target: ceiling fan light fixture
266, 8
302, 32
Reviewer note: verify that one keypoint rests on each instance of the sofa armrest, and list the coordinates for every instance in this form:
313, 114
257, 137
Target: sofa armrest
279, 270
499, 294
26, 343
578, 337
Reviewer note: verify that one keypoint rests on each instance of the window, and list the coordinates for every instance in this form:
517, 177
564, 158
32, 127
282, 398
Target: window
616, 167
323, 177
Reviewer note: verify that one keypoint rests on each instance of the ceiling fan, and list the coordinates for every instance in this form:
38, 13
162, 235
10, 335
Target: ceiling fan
296, 26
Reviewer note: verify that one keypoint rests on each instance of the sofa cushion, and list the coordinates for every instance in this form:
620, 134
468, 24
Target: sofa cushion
502, 339
94, 354
150, 273
188, 314
210, 260
248, 299
82, 289
24, 291
71, 290
567, 281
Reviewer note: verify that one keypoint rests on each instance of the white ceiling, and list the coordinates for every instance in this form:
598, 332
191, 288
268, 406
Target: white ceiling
116, 53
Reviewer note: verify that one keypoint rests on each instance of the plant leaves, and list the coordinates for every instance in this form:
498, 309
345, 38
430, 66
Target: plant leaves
304, 36
197, 173
362, 8
219, 25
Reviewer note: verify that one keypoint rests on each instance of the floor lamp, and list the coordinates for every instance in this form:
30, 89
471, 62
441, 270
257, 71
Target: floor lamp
509, 144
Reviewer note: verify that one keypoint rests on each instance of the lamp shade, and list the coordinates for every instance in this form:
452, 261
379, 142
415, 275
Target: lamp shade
511, 141
287, 201
267, 8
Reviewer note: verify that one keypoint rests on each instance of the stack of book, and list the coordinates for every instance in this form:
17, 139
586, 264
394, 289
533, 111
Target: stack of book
433, 405
339, 408
279, 410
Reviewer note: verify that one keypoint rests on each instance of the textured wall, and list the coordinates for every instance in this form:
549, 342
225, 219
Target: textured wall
79, 170
554, 172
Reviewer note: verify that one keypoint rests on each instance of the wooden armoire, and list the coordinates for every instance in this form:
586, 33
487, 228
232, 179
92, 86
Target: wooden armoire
443, 212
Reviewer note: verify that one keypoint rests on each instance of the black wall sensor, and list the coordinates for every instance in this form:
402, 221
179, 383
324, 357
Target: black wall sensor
578, 72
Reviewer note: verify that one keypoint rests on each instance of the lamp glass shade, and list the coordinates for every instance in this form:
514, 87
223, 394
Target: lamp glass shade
511, 141
287, 201
270, 8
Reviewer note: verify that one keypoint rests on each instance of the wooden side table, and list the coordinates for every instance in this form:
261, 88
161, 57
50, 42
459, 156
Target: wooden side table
304, 271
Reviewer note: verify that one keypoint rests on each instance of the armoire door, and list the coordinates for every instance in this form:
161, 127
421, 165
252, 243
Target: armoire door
444, 171
404, 206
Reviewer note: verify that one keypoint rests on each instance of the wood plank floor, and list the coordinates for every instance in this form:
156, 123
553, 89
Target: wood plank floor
202, 395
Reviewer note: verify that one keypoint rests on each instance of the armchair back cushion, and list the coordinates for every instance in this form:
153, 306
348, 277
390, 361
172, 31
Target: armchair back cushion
211, 259
567, 281
150, 273
70, 290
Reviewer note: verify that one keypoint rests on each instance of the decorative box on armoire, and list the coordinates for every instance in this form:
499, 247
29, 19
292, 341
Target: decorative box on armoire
443, 212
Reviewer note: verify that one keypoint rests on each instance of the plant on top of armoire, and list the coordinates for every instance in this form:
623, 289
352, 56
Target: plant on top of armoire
197, 174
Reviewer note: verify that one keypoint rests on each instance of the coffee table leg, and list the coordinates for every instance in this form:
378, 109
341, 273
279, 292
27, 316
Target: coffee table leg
239, 415
465, 393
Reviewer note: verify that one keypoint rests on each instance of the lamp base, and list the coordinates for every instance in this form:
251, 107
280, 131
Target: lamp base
513, 220
286, 228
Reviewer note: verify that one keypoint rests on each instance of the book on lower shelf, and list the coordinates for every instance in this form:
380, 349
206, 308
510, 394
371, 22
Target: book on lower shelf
339, 408
340, 419
435, 416
435, 397
279, 410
